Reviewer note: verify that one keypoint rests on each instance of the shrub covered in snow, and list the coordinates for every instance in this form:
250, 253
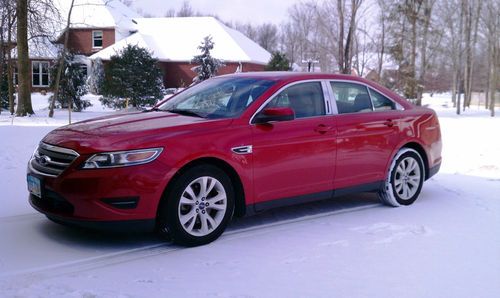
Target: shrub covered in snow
4, 90
207, 65
96, 77
71, 85
133, 78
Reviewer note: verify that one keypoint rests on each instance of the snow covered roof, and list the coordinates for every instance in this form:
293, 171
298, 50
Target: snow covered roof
177, 39
100, 14
39, 48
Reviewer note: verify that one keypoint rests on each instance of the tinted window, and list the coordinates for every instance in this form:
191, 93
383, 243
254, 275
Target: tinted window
351, 98
380, 102
306, 99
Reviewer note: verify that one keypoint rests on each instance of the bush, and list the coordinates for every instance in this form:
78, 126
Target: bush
278, 62
71, 85
4, 90
132, 74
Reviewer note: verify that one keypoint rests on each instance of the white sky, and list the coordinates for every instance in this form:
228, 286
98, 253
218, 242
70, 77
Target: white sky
253, 11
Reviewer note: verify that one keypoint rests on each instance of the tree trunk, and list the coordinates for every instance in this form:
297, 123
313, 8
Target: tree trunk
10, 76
340, 8
382, 49
24, 107
423, 50
488, 76
493, 80
62, 61
454, 84
476, 18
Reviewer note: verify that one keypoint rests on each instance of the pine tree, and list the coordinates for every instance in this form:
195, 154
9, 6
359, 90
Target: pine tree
278, 62
132, 77
4, 88
71, 85
96, 77
207, 65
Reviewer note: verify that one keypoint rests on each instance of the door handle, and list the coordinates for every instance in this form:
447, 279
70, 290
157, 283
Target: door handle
389, 123
322, 128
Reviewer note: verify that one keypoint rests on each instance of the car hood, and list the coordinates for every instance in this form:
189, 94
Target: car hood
127, 131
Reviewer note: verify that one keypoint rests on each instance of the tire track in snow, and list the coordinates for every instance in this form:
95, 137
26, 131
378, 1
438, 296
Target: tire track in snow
147, 251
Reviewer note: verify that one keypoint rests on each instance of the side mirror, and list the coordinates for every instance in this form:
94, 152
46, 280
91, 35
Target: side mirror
275, 114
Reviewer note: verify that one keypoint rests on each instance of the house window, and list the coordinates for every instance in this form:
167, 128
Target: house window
97, 39
40, 73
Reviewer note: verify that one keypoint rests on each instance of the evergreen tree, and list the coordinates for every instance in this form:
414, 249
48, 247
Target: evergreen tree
72, 84
96, 77
4, 89
278, 61
207, 65
132, 78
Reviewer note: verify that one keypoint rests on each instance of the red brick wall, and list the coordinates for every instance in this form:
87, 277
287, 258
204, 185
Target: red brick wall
80, 40
179, 74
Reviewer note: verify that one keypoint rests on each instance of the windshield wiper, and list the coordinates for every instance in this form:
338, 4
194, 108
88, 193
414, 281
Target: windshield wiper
185, 112
152, 110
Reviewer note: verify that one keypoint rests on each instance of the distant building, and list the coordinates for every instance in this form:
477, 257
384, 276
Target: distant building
102, 28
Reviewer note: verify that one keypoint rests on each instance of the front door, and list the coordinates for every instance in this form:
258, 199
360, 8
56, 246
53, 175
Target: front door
294, 158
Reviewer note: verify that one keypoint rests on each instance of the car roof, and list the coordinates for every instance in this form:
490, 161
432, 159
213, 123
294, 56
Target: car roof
289, 76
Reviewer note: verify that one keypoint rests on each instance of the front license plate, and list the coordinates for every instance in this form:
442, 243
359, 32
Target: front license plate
35, 186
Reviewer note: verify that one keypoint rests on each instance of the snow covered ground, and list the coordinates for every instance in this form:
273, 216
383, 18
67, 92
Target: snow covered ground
445, 245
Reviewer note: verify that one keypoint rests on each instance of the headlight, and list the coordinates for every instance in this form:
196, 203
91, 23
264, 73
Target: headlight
121, 158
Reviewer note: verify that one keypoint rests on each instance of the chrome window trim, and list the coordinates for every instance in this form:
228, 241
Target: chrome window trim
287, 86
399, 107
331, 109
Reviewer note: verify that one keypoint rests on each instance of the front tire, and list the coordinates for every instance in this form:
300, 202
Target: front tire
404, 180
198, 206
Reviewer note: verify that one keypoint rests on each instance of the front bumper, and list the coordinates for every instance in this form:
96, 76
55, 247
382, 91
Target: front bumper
103, 198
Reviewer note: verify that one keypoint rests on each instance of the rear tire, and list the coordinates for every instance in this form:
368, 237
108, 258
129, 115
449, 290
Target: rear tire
404, 180
198, 206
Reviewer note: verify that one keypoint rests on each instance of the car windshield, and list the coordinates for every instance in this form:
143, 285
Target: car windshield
217, 98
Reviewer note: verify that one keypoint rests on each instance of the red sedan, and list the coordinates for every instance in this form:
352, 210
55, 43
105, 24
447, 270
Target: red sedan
235, 145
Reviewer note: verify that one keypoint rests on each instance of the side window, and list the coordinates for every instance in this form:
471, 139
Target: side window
97, 39
351, 97
306, 99
380, 102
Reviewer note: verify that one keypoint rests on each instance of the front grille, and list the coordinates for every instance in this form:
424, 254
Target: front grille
49, 160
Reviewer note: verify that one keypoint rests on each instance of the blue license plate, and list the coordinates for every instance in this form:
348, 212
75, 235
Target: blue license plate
35, 186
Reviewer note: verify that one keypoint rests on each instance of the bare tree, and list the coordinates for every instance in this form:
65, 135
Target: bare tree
428, 6
24, 107
267, 36
472, 11
8, 11
61, 61
186, 10
491, 24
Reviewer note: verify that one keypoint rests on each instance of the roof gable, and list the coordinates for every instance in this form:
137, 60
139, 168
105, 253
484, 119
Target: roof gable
177, 39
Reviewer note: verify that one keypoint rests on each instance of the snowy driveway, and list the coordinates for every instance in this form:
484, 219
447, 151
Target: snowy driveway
446, 245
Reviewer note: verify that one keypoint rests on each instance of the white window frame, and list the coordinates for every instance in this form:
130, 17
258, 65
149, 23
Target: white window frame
40, 74
94, 39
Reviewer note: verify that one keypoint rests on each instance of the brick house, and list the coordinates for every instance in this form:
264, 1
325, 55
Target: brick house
95, 25
174, 42
101, 28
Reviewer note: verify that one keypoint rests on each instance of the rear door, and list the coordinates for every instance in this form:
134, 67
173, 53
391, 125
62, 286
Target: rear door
367, 133
295, 158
